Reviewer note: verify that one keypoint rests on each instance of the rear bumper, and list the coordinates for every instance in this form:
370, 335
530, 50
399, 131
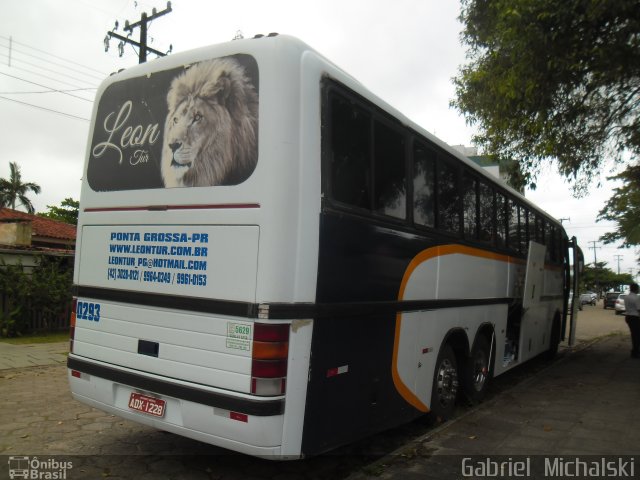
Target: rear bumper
192, 411
179, 390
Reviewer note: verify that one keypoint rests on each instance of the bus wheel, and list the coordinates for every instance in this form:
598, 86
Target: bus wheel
445, 385
477, 371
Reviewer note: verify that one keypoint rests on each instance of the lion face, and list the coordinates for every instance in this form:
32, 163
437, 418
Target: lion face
187, 133
210, 131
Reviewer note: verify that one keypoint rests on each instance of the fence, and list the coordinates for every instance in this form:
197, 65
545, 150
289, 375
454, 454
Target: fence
34, 321
35, 298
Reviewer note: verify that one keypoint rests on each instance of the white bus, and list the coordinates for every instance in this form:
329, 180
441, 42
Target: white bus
272, 260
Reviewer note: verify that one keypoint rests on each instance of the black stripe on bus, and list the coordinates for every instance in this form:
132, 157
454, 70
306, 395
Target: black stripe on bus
258, 408
280, 311
178, 302
290, 311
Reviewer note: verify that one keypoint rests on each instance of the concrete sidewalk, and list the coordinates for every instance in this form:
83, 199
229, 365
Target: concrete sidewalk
586, 404
33, 354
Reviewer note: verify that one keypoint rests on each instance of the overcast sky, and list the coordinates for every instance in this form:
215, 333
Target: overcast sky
404, 51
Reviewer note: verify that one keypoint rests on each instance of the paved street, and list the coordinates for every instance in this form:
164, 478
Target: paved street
581, 404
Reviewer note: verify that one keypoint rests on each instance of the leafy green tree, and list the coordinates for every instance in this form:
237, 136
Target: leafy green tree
554, 80
67, 212
13, 191
599, 278
624, 209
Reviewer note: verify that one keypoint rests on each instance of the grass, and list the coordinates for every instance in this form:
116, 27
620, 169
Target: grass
37, 338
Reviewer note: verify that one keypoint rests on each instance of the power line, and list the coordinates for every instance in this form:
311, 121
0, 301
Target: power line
13, 60
52, 90
63, 82
52, 55
29, 92
15, 50
44, 108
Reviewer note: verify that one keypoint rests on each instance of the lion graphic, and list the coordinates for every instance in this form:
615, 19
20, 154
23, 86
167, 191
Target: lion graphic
211, 130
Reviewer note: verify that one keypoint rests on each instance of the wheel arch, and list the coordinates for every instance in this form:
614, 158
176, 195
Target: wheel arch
459, 340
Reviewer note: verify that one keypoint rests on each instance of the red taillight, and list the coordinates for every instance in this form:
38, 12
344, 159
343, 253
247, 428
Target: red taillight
270, 352
269, 368
72, 323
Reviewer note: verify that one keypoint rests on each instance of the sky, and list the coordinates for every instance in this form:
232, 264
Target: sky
406, 52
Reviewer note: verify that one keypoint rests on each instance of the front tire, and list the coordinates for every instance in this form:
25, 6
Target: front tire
445, 385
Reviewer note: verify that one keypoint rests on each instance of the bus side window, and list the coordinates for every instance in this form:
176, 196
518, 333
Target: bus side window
448, 195
470, 206
502, 219
487, 208
350, 146
514, 233
389, 171
424, 205
551, 243
524, 231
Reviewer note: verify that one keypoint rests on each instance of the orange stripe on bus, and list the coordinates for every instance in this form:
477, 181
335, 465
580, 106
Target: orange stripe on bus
418, 260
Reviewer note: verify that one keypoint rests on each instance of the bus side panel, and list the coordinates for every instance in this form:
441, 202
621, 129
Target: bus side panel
351, 393
351, 356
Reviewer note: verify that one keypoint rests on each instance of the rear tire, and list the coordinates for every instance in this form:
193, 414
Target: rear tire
445, 385
477, 373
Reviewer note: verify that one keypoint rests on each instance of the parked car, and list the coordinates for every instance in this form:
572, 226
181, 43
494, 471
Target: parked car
587, 299
620, 304
610, 299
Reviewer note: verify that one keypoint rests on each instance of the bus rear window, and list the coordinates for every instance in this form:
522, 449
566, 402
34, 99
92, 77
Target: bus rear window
186, 127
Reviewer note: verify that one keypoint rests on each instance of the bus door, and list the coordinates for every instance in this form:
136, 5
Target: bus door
531, 302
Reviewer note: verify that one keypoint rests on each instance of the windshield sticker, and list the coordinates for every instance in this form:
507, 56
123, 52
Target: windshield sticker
187, 127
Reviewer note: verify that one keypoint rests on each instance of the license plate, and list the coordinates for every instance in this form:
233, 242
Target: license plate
148, 405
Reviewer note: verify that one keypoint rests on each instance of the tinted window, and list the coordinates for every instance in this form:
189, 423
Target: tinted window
540, 230
389, 171
486, 213
448, 197
514, 238
424, 205
470, 206
501, 219
524, 230
350, 146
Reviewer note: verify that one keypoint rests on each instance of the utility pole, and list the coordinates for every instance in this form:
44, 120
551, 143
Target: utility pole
142, 44
618, 258
595, 265
595, 258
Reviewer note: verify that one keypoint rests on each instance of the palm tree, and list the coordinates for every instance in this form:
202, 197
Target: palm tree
13, 191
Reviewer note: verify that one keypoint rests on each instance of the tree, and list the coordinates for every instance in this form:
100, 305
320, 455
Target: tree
554, 80
67, 212
599, 278
13, 191
624, 209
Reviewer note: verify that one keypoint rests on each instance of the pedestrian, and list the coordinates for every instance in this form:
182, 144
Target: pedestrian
633, 319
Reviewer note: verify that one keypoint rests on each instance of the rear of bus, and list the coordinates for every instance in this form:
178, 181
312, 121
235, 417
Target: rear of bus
191, 223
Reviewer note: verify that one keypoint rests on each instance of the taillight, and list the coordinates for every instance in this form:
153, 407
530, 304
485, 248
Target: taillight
269, 359
72, 323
